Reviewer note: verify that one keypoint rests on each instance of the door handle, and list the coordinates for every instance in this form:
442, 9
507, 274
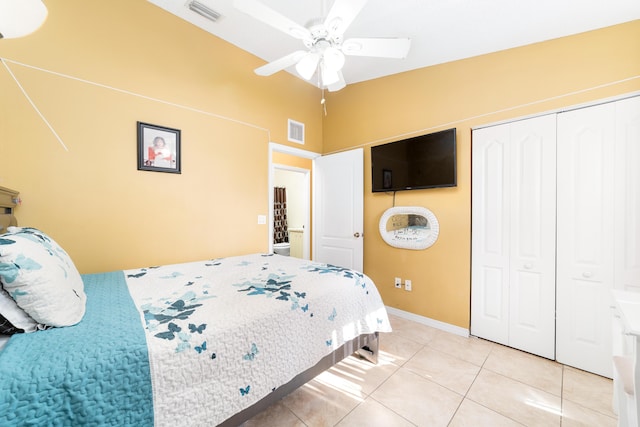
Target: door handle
356, 234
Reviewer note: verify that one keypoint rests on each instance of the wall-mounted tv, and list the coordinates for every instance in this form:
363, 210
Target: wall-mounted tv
425, 161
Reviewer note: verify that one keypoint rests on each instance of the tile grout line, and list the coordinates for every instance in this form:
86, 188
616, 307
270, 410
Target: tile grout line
367, 396
473, 382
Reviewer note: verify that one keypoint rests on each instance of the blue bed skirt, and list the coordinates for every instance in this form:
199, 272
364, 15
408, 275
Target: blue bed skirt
93, 373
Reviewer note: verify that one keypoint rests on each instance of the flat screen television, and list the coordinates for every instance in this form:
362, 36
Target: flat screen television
425, 161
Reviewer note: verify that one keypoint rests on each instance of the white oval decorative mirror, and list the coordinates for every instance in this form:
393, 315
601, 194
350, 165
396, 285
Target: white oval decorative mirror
409, 227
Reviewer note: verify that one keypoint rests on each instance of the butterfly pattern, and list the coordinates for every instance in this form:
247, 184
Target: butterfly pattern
202, 347
251, 354
165, 318
172, 330
197, 329
278, 286
356, 276
173, 275
137, 275
183, 319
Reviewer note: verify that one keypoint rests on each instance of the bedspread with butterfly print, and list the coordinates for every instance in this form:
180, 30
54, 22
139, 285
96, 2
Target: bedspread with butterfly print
224, 333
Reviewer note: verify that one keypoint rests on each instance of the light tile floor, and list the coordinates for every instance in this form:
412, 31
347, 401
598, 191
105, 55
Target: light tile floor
427, 377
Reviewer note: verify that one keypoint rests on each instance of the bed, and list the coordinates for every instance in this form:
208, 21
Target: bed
211, 342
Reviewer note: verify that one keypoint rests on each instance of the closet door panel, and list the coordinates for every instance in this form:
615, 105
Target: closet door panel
585, 237
532, 235
490, 238
513, 235
627, 221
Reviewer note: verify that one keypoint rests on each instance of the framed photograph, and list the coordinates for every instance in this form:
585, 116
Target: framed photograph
387, 178
158, 148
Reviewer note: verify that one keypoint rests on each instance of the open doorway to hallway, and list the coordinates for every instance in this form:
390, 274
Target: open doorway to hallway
295, 182
291, 168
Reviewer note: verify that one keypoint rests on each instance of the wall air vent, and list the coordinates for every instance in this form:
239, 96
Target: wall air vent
296, 132
203, 10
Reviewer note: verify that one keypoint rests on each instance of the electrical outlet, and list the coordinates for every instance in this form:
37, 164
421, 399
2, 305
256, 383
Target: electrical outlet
398, 283
407, 285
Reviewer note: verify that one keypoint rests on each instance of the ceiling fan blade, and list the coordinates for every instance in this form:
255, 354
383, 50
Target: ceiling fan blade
265, 14
337, 85
280, 64
383, 48
342, 14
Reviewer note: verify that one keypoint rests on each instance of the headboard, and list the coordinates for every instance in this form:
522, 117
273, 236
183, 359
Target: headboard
8, 201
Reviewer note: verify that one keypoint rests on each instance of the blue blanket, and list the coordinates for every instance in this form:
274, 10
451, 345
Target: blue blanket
103, 378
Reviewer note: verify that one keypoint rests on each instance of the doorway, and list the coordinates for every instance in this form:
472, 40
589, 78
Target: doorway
296, 182
292, 167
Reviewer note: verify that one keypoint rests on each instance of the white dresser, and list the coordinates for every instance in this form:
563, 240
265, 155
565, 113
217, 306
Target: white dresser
626, 357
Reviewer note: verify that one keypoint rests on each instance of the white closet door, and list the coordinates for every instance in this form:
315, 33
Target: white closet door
533, 236
490, 234
513, 235
627, 220
585, 237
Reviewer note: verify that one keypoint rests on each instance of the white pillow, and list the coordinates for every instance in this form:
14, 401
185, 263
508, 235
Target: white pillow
40, 277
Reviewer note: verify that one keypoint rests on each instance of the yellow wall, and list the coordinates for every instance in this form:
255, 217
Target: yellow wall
465, 94
291, 160
102, 66
96, 68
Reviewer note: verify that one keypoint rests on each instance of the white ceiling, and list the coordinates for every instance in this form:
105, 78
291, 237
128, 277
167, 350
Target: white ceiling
441, 30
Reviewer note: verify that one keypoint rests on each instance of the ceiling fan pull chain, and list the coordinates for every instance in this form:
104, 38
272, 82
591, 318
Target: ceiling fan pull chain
323, 102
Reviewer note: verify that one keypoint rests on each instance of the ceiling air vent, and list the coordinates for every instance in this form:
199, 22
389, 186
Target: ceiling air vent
203, 10
296, 132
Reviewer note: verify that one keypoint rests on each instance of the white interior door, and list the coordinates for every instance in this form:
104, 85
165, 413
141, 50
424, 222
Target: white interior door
490, 223
586, 144
513, 235
338, 209
532, 246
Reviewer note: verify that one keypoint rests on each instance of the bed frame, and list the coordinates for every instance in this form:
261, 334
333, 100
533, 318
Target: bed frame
365, 346
8, 201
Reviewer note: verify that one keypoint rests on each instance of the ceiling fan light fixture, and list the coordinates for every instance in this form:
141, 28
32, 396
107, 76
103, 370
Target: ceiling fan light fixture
307, 66
19, 18
326, 47
329, 76
333, 59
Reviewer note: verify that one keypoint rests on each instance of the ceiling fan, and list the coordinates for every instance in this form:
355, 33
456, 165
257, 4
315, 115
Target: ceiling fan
323, 38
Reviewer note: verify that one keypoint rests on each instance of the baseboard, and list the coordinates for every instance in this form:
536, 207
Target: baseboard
447, 327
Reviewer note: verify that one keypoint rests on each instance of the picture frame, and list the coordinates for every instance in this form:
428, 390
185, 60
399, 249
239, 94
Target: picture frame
158, 148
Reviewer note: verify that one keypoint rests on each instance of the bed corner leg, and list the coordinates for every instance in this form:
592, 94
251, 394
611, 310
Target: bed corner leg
370, 350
